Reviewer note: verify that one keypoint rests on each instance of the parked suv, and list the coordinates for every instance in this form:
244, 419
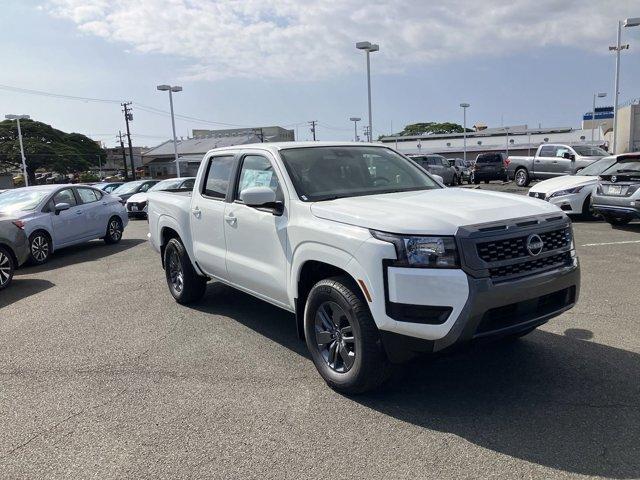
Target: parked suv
376, 259
438, 165
463, 169
490, 166
14, 248
617, 195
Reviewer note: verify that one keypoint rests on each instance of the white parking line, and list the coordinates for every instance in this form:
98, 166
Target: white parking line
609, 243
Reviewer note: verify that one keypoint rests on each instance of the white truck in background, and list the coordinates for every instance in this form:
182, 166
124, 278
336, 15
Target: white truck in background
377, 261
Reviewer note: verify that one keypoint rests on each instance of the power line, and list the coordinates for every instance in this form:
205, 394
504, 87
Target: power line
56, 95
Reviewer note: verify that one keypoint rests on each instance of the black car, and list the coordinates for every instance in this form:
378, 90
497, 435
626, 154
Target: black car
490, 166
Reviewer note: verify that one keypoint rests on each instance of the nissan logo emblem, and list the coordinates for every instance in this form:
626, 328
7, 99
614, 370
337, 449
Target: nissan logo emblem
534, 245
613, 179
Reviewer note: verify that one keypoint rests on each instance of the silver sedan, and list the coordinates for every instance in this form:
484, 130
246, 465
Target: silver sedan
57, 216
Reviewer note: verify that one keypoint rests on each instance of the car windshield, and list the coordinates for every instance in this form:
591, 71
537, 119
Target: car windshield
129, 187
21, 199
324, 173
629, 166
167, 184
597, 167
586, 151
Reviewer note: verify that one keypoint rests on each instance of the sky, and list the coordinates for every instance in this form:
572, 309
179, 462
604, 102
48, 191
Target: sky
285, 62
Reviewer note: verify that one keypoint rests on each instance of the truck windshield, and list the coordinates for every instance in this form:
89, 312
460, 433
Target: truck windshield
326, 173
586, 151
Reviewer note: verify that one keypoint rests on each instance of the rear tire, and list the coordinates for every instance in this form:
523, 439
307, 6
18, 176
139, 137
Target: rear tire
7, 267
486, 181
617, 221
114, 231
184, 283
343, 339
522, 177
39, 247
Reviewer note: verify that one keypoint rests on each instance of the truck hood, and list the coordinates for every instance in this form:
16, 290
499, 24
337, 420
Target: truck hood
437, 212
562, 183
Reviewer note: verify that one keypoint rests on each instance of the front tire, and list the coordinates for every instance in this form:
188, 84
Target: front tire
185, 285
587, 210
39, 248
7, 267
342, 337
114, 231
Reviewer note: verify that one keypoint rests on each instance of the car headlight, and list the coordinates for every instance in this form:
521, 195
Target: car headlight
422, 251
569, 191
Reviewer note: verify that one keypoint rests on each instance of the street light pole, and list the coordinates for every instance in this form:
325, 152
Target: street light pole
17, 118
171, 89
355, 121
464, 128
629, 22
593, 113
368, 47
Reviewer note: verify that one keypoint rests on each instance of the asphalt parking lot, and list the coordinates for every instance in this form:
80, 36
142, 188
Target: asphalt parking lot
103, 375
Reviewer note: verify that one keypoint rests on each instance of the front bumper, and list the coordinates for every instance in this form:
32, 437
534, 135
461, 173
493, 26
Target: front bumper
495, 310
570, 204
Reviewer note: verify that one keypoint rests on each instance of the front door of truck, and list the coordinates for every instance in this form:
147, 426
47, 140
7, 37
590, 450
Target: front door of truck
544, 161
257, 241
207, 215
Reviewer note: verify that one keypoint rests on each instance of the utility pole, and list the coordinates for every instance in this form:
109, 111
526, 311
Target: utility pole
127, 117
313, 128
124, 156
99, 167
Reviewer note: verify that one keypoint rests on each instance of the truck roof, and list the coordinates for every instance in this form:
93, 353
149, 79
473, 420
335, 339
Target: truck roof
277, 146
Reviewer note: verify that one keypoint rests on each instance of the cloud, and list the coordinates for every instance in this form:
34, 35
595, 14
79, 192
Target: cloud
307, 40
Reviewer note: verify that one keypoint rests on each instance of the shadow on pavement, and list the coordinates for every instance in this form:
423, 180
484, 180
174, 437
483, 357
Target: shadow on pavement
22, 288
559, 401
86, 252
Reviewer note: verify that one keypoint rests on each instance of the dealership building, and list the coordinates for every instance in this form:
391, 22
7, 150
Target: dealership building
524, 140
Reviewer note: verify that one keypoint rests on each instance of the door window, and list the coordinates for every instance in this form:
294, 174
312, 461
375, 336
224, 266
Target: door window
88, 195
216, 182
257, 171
188, 183
560, 151
146, 187
65, 196
548, 151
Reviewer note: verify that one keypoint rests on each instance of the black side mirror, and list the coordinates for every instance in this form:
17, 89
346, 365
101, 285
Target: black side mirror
568, 156
60, 207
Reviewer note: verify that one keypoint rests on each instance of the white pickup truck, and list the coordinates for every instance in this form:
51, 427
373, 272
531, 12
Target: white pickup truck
377, 260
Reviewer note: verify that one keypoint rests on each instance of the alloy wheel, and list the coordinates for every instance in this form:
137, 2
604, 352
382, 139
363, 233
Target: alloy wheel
40, 248
6, 269
115, 231
521, 178
176, 275
334, 337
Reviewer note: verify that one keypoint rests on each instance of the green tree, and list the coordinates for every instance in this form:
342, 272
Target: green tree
46, 147
431, 128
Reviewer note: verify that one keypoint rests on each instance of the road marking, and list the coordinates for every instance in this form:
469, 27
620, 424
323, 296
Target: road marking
609, 243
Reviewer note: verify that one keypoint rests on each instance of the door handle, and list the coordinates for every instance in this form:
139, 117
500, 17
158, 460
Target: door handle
196, 212
231, 219
79, 212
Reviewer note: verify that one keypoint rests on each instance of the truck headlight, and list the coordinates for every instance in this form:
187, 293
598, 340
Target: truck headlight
569, 191
422, 251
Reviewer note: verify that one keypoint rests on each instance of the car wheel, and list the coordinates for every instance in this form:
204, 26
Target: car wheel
343, 339
587, 209
184, 283
522, 177
486, 181
476, 181
114, 231
39, 248
7, 267
617, 221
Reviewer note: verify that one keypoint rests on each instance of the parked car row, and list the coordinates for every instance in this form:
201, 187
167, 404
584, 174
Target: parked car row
609, 187
136, 204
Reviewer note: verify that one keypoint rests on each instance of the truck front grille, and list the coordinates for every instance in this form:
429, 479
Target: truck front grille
544, 263
511, 248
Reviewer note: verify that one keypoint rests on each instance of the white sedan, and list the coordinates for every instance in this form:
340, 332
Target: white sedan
137, 204
572, 193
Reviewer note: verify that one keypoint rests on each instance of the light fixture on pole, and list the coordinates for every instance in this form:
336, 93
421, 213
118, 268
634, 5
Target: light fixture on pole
593, 113
171, 90
355, 121
368, 47
464, 128
629, 22
17, 118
